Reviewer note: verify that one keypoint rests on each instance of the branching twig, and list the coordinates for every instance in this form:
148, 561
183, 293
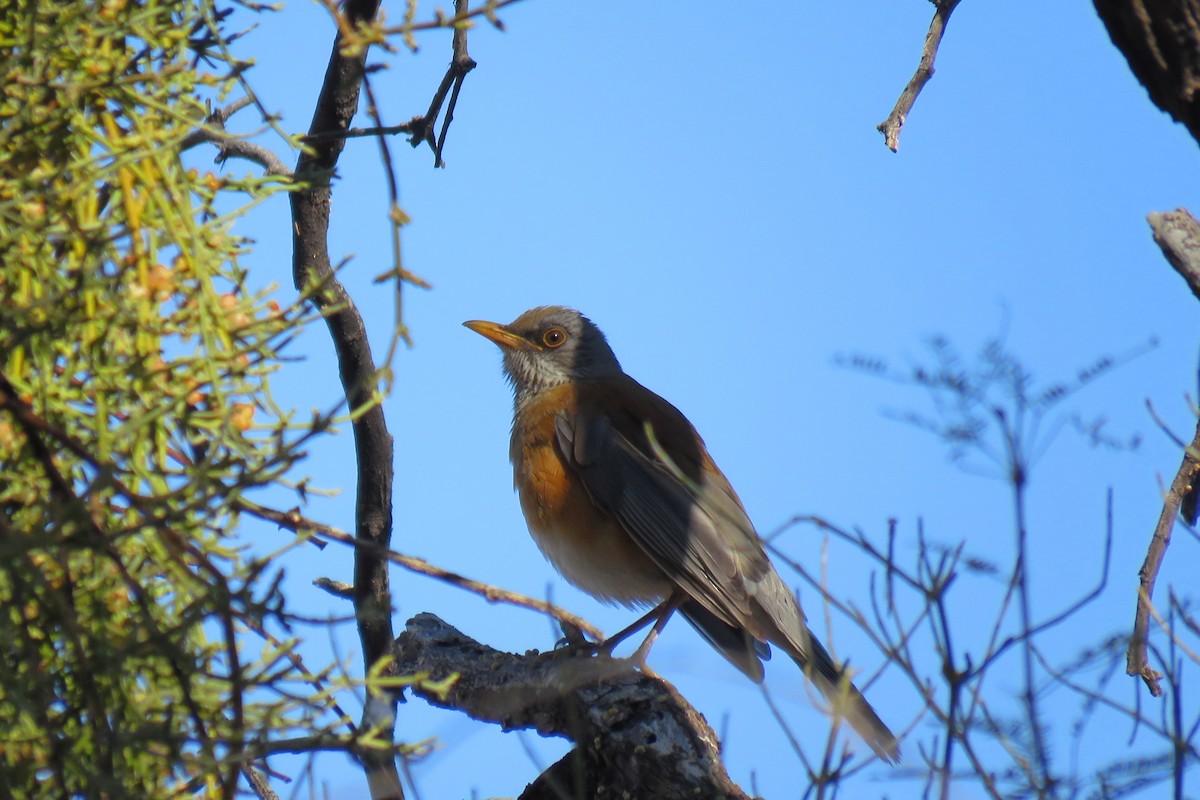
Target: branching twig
890, 127
358, 133
488, 9
1178, 234
460, 64
231, 146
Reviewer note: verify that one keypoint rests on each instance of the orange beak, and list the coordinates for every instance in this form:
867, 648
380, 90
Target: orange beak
501, 335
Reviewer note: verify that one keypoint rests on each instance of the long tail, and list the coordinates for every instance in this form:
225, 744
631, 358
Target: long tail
845, 700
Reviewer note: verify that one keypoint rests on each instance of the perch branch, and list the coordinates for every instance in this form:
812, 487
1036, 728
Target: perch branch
635, 735
1178, 235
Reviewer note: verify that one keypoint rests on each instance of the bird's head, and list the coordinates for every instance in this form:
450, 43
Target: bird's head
548, 346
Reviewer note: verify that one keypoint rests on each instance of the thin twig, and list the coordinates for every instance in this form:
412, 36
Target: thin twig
233, 146
1075, 607
488, 9
460, 64
293, 521
259, 784
396, 217
358, 133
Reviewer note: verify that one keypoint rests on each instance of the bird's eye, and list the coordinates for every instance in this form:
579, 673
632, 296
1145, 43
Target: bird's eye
554, 337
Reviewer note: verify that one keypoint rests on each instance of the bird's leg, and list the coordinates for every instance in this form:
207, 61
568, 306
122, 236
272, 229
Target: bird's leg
664, 610
610, 644
577, 641
660, 614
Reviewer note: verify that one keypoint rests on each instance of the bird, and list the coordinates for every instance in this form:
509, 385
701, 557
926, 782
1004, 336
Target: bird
621, 495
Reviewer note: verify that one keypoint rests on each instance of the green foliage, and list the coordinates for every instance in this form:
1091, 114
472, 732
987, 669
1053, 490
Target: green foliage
135, 411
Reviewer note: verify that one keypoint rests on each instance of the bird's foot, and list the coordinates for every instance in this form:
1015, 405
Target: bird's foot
573, 636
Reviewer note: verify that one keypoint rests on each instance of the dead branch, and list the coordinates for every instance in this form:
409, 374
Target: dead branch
890, 127
1137, 659
1178, 235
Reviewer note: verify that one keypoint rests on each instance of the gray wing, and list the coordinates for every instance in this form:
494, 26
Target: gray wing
692, 526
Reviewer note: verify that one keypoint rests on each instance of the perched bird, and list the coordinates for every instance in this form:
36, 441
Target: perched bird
622, 497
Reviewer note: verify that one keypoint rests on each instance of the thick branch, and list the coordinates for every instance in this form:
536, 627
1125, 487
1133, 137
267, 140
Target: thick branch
890, 127
1161, 41
311, 268
635, 735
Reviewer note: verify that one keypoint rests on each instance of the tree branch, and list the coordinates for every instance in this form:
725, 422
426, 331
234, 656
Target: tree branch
460, 64
635, 735
1178, 235
311, 267
231, 146
294, 521
890, 127
1137, 659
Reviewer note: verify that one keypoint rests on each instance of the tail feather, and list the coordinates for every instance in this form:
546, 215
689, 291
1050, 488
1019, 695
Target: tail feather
845, 700
746, 653
743, 650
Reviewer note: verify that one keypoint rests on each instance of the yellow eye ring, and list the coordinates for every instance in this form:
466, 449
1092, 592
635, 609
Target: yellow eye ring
554, 337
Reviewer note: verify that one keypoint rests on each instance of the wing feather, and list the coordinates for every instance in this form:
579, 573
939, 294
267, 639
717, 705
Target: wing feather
694, 529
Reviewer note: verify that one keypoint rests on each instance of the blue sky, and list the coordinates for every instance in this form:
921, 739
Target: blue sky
708, 185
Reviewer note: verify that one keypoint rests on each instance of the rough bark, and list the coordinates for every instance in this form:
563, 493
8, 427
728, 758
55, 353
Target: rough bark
1161, 41
635, 735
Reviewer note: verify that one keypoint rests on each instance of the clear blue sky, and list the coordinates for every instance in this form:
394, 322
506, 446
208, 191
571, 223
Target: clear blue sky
708, 185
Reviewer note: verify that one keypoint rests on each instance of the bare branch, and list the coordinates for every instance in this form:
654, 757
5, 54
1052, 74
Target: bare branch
890, 127
488, 9
1137, 659
293, 521
232, 146
460, 64
311, 266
